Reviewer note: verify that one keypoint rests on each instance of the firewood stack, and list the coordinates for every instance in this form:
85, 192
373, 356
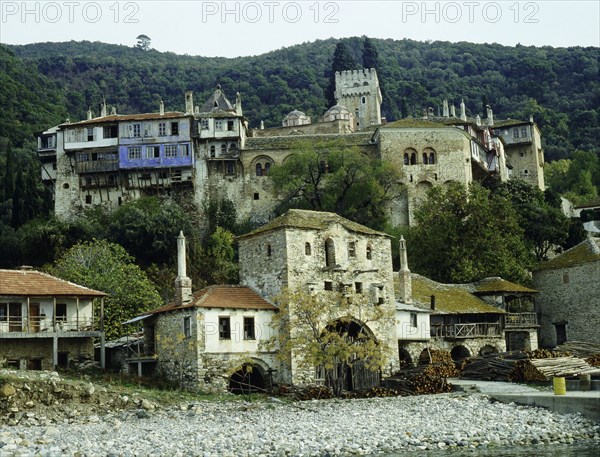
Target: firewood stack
430, 377
581, 349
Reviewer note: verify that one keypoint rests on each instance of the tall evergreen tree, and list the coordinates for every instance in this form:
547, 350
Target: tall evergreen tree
342, 60
370, 55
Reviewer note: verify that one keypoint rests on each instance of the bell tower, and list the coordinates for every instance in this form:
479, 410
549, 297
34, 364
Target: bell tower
358, 90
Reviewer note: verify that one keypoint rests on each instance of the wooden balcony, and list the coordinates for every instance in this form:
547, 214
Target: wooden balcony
520, 320
464, 331
23, 327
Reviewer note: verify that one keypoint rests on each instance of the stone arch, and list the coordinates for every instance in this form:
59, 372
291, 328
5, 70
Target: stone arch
429, 156
459, 353
488, 349
251, 376
329, 253
261, 165
405, 358
410, 156
425, 357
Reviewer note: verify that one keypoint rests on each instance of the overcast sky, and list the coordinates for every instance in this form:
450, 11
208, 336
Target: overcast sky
230, 29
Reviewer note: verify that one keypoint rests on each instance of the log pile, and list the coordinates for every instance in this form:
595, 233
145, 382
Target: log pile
546, 369
430, 377
579, 348
594, 360
492, 367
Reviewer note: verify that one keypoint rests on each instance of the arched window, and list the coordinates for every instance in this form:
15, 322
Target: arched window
369, 252
425, 158
223, 148
413, 158
230, 168
212, 151
406, 159
329, 253
267, 168
307, 249
432, 158
258, 169
364, 100
233, 146
216, 104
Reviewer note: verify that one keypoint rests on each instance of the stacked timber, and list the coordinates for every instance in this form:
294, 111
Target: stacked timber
492, 367
579, 348
546, 369
430, 377
594, 360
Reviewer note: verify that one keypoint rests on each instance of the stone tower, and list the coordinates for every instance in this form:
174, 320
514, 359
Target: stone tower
358, 90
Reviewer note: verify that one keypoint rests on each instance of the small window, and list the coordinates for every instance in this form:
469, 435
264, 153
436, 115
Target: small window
162, 129
521, 154
307, 249
230, 168
3, 312
413, 158
258, 169
137, 130
187, 326
269, 250
329, 253
524, 132
134, 153
174, 128
413, 320
223, 148
431, 158
88, 199
232, 147
369, 252
184, 150
61, 312
358, 287
351, 249
328, 286
516, 132
90, 134
152, 152
224, 328
425, 159
218, 126
171, 150
526, 172
256, 196
204, 124
110, 131
406, 159
267, 168
363, 100
249, 333
213, 151
230, 126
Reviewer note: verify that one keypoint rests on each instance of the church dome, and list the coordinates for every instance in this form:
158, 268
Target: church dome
296, 118
337, 112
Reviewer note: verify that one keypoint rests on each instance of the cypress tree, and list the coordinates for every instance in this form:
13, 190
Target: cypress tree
342, 60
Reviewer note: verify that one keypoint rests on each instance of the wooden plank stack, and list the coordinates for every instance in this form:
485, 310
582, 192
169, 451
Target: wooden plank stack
579, 348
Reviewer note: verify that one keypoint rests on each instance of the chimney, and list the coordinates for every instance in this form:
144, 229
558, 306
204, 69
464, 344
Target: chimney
490, 115
161, 108
113, 111
103, 108
189, 102
446, 112
531, 118
196, 109
183, 284
404, 273
26, 268
478, 120
463, 111
89, 114
262, 125
452, 111
238, 104
433, 303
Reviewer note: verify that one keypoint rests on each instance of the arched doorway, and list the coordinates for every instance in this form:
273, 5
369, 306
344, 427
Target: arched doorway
247, 379
487, 350
352, 373
405, 358
459, 353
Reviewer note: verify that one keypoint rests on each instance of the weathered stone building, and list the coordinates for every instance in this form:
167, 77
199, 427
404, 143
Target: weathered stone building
46, 322
209, 152
569, 297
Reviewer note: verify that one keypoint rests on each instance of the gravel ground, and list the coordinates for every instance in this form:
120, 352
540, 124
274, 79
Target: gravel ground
314, 428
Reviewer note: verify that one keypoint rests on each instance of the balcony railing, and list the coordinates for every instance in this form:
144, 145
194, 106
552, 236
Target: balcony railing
476, 330
520, 320
17, 324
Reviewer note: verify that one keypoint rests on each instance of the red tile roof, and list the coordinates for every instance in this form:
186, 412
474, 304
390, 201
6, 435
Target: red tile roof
233, 297
37, 284
127, 117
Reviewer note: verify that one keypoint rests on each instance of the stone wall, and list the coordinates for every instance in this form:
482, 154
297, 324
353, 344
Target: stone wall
569, 296
29, 349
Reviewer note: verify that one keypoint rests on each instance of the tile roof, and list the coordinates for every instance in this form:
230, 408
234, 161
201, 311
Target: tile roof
216, 102
311, 220
127, 117
585, 252
222, 296
37, 284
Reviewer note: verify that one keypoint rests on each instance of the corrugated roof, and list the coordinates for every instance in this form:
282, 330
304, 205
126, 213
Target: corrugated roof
497, 284
222, 296
585, 252
449, 298
33, 283
312, 220
127, 117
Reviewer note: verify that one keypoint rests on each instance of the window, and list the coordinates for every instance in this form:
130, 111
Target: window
187, 326
432, 158
358, 287
328, 286
363, 100
147, 131
249, 328
230, 126
88, 199
561, 333
213, 151
258, 169
524, 132
267, 168
224, 328
230, 168
110, 131
526, 172
61, 312
174, 128
425, 159
223, 148
406, 159
3, 312
269, 250
516, 132
256, 196
369, 252
307, 249
134, 153
218, 126
204, 124
90, 134
351, 249
137, 129
413, 319
184, 150
329, 253
171, 150
233, 146
152, 152
162, 129
413, 158
83, 157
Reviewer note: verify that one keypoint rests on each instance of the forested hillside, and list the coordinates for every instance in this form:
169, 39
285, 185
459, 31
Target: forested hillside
559, 86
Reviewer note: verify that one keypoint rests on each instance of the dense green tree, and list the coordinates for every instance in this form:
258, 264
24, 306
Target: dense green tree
107, 267
220, 259
143, 42
342, 60
331, 176
466, 235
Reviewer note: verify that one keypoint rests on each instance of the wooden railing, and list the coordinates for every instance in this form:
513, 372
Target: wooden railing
512, 320
475, 330
12, 324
